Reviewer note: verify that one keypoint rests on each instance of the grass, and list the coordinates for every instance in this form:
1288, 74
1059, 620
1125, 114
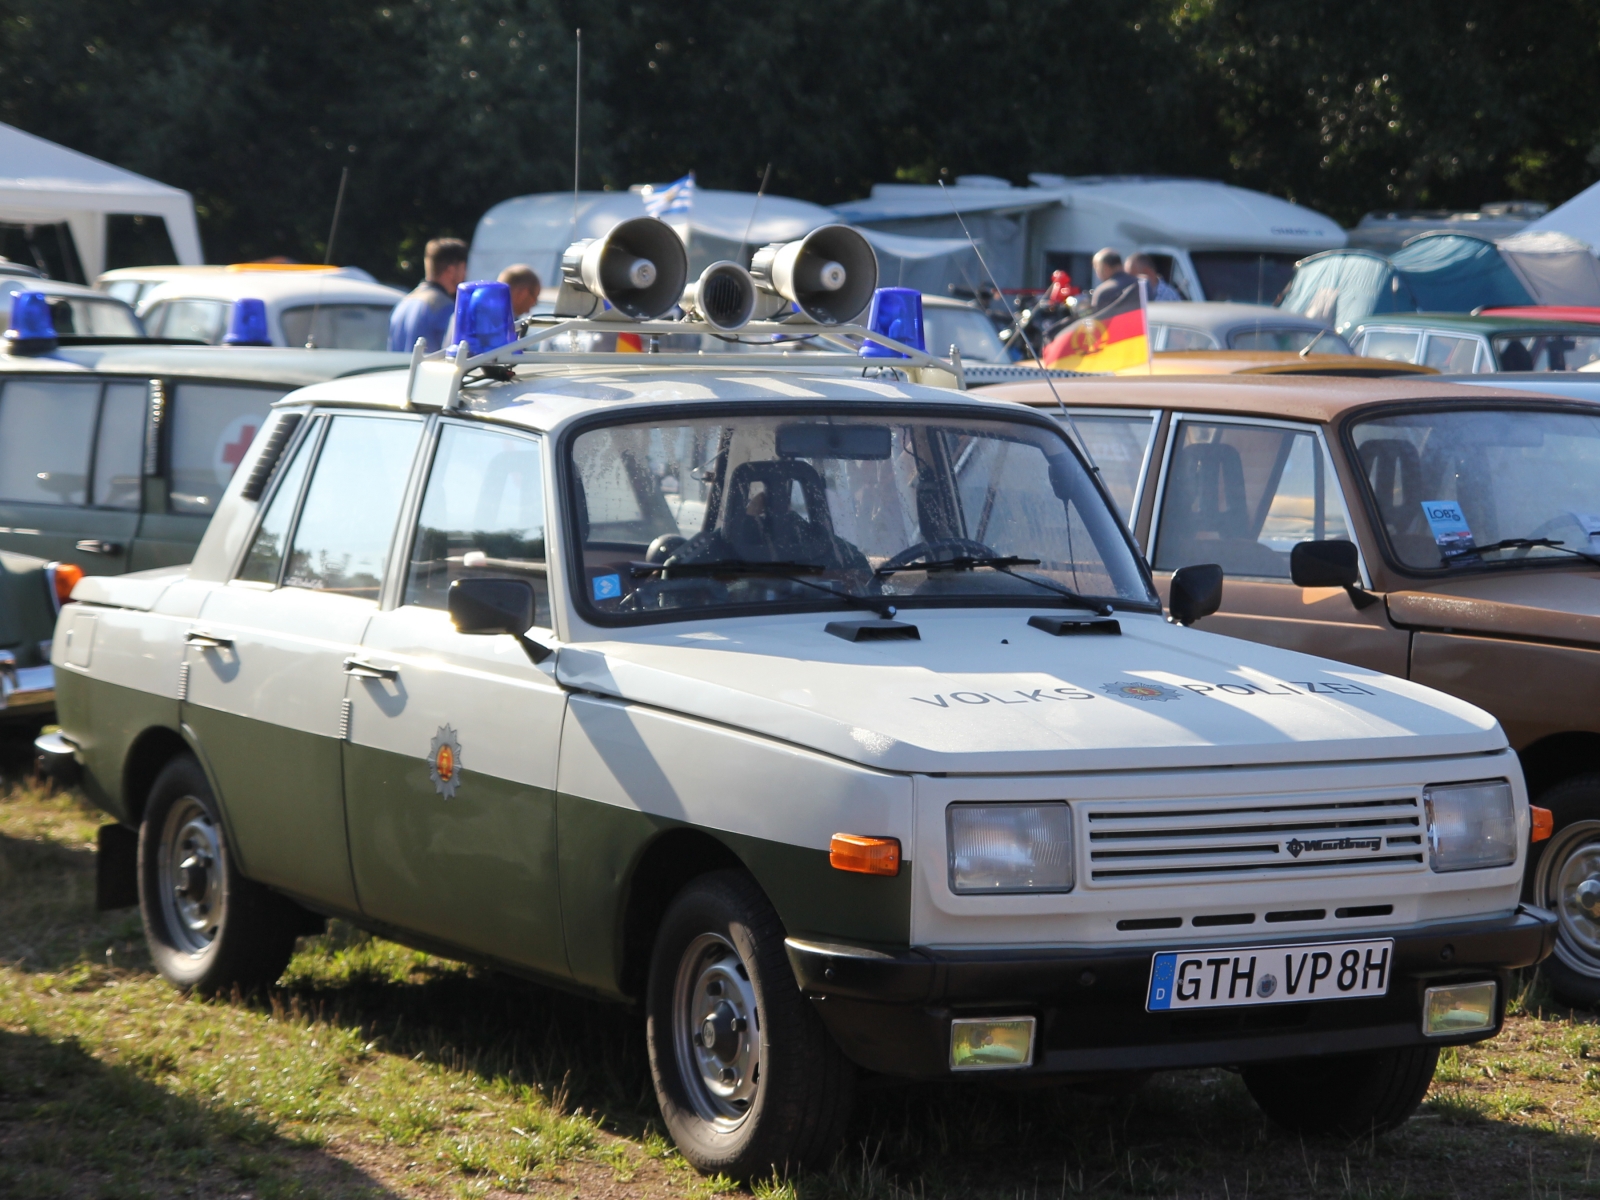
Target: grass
378, 1071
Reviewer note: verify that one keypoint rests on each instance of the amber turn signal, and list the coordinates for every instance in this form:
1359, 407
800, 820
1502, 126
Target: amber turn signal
66, 576
868, 855
1544, 823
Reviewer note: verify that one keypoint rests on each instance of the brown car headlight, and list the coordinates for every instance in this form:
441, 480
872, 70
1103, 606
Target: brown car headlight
1010, 847
1470, 825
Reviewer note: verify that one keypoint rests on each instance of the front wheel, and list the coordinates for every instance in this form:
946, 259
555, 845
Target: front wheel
209, 928
1566, 880
1345, 1095
747, 1078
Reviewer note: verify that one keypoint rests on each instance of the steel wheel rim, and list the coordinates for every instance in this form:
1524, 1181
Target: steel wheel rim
190, 876
1568, 883
716, 1031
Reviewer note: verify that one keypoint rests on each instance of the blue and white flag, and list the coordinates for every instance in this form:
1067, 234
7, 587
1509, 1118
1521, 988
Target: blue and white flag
671, 198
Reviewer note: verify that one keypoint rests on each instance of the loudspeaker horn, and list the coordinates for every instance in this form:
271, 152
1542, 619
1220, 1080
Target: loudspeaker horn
639, 268
830, 273
723, 296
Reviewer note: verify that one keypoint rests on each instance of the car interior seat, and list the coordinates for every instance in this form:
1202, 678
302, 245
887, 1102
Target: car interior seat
761, 522
1206, 518
1394, 471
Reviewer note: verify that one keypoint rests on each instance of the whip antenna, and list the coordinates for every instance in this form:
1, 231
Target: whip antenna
327, 258
577, 134
1016, 330
750, 224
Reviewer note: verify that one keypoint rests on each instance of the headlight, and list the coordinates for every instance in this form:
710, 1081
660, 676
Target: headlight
1471, 825
1010, 847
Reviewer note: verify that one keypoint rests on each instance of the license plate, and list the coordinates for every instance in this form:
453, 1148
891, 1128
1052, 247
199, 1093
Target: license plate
1229, 978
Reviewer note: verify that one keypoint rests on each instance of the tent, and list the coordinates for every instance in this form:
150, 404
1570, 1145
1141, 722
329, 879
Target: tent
1445, 272
42, 183
1578, 218
719, 225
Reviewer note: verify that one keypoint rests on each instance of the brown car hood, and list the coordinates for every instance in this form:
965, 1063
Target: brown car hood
1546, 605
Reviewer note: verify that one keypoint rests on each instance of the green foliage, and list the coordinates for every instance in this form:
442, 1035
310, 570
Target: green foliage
443, 107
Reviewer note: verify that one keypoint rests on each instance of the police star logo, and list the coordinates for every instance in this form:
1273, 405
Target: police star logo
444, 762
1140, 690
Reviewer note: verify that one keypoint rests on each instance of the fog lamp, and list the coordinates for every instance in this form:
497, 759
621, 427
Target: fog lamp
247, 324
1471, 825
1458, 1008
896, 313
991, 1044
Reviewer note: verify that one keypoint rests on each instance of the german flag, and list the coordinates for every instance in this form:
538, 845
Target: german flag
630, 343
1093, 344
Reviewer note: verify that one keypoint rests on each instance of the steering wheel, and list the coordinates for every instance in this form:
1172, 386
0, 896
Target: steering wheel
939, 550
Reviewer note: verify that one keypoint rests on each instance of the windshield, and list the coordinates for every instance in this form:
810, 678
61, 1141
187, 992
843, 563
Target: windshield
1266, 338
1244, 276
965, 328
1554, 352
1450, 484
338, 326
751, 509
82, 315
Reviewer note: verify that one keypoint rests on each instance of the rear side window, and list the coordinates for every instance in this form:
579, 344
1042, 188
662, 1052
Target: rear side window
212, 427
482, 517
46, 430
119, 446
338, 326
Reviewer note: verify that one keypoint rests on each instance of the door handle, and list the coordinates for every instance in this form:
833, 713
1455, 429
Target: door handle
96, 546
207, 641
365, 670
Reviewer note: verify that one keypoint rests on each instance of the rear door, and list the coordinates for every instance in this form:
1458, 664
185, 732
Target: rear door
1242, 492
71, 454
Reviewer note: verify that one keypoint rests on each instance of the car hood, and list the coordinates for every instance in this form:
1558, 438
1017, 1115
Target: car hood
1544, 604
983, 692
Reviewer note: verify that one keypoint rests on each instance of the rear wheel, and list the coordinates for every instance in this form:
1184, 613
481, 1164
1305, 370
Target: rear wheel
746, 1076
208, 927
1566, 879
1345, 1095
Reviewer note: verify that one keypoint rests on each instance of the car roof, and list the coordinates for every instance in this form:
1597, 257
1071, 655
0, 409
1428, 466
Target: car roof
274, 287
12, 284
1466, 323
543, 397
1294, 397
248, 364
1225, 316
1272, 362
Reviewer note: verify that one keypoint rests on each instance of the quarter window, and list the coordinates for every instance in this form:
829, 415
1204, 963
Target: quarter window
265, 559
46, 429
482, 517
1451, 355
1243, 496
212, 428
342, 539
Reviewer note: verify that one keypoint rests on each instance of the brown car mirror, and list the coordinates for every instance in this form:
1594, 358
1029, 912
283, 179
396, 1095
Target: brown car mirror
1332, 563
1196, 592
491, 606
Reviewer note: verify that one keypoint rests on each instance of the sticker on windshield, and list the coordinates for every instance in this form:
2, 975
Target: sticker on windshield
1590, 524
1450, 530
607, 587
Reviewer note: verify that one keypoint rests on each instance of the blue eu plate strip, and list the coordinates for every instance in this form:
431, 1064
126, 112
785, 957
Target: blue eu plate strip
1161, 982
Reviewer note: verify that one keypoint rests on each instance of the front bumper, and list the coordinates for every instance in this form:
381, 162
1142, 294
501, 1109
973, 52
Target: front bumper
890, 1010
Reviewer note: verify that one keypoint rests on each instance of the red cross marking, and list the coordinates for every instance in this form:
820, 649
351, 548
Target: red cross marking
233, 452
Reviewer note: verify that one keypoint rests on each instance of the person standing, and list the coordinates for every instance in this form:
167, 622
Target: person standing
427, 311
1142, 266
1117, 291
525, 288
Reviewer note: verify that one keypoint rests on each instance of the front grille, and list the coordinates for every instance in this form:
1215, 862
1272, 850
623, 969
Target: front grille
1140, 841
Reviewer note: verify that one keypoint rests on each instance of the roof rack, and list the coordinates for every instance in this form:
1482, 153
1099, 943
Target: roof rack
436, 380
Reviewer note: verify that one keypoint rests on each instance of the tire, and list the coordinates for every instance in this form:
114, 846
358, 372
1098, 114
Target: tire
1565, 878
210, 930
775, 1096
1344, 1095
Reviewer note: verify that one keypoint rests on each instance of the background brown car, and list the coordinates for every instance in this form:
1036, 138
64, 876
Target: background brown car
1274, 478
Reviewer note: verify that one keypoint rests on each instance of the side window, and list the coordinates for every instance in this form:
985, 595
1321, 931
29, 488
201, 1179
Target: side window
482, 517
1179, 338
46, 428
211, 428
1450, 355
262, 563
119, 446
201, 320
346, 526
1117, 444
1391, 344
1243, 496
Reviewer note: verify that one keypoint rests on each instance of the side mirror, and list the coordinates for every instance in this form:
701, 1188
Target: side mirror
491, 606
1334, 563
1196, 592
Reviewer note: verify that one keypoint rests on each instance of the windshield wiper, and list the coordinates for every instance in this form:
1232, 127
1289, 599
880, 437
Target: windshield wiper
787, 570
1531, 544
1003, 564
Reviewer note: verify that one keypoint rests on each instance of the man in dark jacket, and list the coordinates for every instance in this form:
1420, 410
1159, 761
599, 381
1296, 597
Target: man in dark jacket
1117, 291
426, 312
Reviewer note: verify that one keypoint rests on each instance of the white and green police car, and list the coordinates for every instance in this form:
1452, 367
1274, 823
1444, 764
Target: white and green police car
830, 717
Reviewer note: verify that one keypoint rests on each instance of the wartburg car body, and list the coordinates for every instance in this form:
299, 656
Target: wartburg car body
831, 718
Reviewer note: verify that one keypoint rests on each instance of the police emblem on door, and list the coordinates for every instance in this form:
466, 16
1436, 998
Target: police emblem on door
444, 760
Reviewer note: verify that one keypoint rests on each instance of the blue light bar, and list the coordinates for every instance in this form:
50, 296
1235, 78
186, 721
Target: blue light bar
31, 326
247, 326
895, 313
483, 316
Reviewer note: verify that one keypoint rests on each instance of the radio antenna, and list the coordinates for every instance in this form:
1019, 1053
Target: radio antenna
327, 257
1016, 329
750, 224
577, 131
